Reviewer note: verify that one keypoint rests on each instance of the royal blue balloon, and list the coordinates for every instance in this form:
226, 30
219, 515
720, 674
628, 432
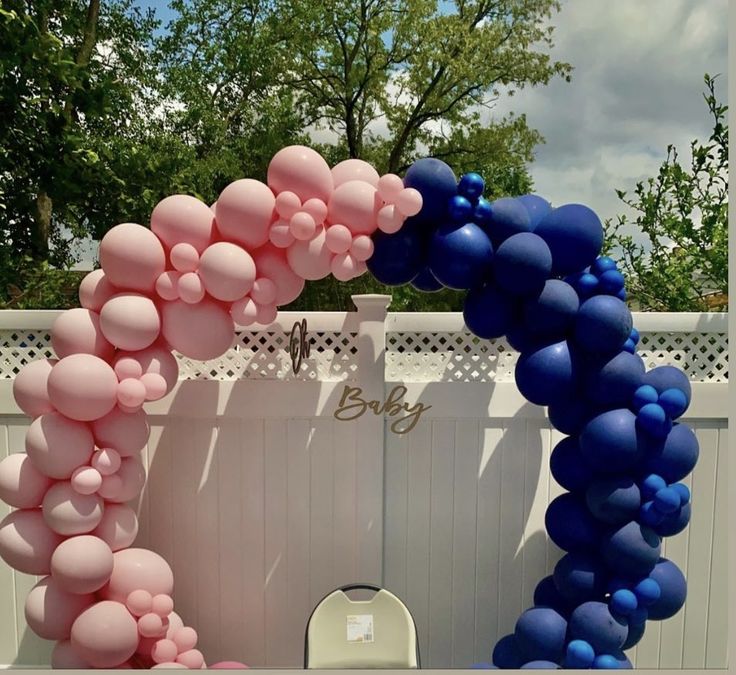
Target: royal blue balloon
652, 484
540, 664
508, 217
569, 415
603, 324
585, 284
644, 394
540, 635
398, 258
574, 234
537, 207
523, 339
611, 282
482, 213
634, 336
547, 374
553, 312
523, 264
614, 383
623, 602
602, 264
674, 402
629, 346
622, 295
460, 257
610, 442
647, 592
506, 653
567, 465
580, 655
653, 419
669, 377
636, 633
437, 184
547, 595
617, 661
570, 525
684, 492
667, 500
471, 186
460, 209
613, 500
673, 589
674, 523
632, 550
580, 577
425, 282
488, 312
594, 623
674, 457
648, 515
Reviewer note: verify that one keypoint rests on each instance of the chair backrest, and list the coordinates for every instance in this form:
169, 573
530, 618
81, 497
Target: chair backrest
375, 633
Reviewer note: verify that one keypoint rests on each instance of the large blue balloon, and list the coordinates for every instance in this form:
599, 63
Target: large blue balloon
674, 523
540, 634
636, 633
632, 550
506, 653
553, 312
508, 217
522, 264
603, 324
437, 184
488, 312
674, 457
547, 595
613, 500
567, 465
610, 442
523, 339
580, 577
537, 207
570, 415
547, 374
594, 623
398, 258
574, 234
425, 282
460, 257
673, 590
612, 385
570, 525
669, 377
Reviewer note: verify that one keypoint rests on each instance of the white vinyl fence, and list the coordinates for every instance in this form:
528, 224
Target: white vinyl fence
263, 501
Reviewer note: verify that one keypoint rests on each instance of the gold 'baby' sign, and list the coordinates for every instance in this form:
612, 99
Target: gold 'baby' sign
352, 405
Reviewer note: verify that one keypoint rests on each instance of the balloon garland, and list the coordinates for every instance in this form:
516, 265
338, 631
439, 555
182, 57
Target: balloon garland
532, 273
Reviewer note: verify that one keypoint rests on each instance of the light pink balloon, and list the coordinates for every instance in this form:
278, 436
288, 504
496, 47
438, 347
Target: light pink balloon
271, 263
389, 187
118, 527
65, 657
51, 610
266, 314
310, 259
228, 665
280, 234
151, 626
156, 359
83, 387
127, 433
245, 211
185, 638
22, 485
181, 218
26, 542
354, 169
302, 170
29, 387
184, 257
86, 480
131, 392
67, 512
203, 331
132, 257
344, 267
139, 602
192, 659
155, 386
58, 445
409, 202
138, 568
77, 331
133, 476
164, 651
362, 247
244, 312
353, 204
146, 644
95, 290
162, 605
126, 366
190, 288
263, 291
106, 461
338, 238
130, 321
302, 226
111, 487
317, 209
82, 564
227, 271
169, 665
167, 285
389, 219
287, 204
105, 634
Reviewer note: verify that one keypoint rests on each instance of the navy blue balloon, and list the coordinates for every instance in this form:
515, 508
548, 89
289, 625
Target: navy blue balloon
674, 457
482, 213
488, 312
636, 633
647, 592
398, 258
570, 525
547, 595
646, 393
684, 492
611, 282
540, 634
567, 465
523, 339
547, 374
574, 234
669, 377
603, 324
613, 384
623, 602
523, 264
460, 257
632, 550
537, 207
653, 420
673, 589
506, 653
674, 402
569, 415
602, 264
460, 209
610, 442
674, 523
552, 313
471, 186
593, 622
613, 500
425, 282
508, 217
667, 500
437, 184
540, 664
580, 577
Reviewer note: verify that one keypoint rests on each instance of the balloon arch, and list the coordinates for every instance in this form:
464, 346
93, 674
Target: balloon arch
532, 273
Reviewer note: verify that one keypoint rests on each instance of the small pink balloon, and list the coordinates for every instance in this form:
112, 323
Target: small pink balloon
26, 542
227, 271
244, 312
29, 387
353, 204
132, 473
162, 605
301, 170
390, 187
167, 285
280, 234
83, 387
317, 209
362, 247
185, 638
95, 290
245, 211
130, 321
338, 238
360, 268
132, 257
118, 527
183, 219
77, 331
138, 568
184, 257
192, 659
272, 264
155, 386
65, 657
266, 314
287, 204
127, 433
409, 202
263, 291
105, 634
354, 169
22, 485
51, 610
151, 626
131, 392
310, 259
302, 226
169, 665
68, 513
203, 331
58, 445
82, 564
164, 651
106, 461
158, 360
86, 480
127, 366
190, 288
139, 602
111, 488
389, 219
228, 665
173, 622
343, 267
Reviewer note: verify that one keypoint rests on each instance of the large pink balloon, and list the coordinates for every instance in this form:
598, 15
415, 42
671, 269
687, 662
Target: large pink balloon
132, 257
228, 665
271, 264
354, 205
95, 290
127, 433
67, 512
65, 657
26, 542
83, 387
301, 170
138, 568
354, 169
50, 610
156, 359
203, 331
245, 211
77, 331
310, 259
58, 445
227, 271
105, 634
118, 527
183, 219
130, 321
22, 485
82, 564
29, 387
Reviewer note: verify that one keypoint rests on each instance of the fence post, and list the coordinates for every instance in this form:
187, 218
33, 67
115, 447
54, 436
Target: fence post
372, 310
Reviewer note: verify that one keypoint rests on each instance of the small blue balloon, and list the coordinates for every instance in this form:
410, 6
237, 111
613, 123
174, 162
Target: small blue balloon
482, 213
506, 653
674, 402
621, 295
540, 634
647, 591
674, 523
673, 590
644, 395
606, 662
574, 234
683, 491
611, 282
651, 485
586, 285
653, 419
508, 217
460, 257
437, 184
638, 616
602, 264
425, 282
629, 346
471, 186
536, 206
634, 336
579, 655
603, 324
488, 312
667, 500
650, 516
669, 377
636, 633
522, 264
623, 602
460, 209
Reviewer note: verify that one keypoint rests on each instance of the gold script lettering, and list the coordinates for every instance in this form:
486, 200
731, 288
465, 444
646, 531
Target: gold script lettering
352, 405
299, 345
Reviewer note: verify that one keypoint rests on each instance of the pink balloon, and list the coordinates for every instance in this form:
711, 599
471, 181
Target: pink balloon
82, 564
302, 170
228, 665
139, 602
287, 204
86, 480
126, 366
310, 259
389, 187
280, 234
389, 219
167, 285
150, 625
338, 238
83, 387
127, 433
353, 204
51, 610
132, 257
29, 387
263, 291
65, 657
156, 359
106, 461
131, 392
181, 218
184, 257
244, 312
409, 202
302, 226
271, 263
317, 209
245, 211
111, 487
227, 271
344, 266
130, 321
26, 542
192, 659
138, 568
266, 314
105, 634
95, 290
155, 386
190, 288
58, 445
22, 485
185, 638
162, 605
169, 665
146, 644
133, 476
362, 247
118, 527
355, 169
164, 651
67, 512
77, 331
203, 331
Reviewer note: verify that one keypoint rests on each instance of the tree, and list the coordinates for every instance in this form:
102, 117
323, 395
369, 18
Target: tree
683, 214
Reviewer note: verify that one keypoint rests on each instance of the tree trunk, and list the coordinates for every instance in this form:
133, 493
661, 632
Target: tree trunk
42, 229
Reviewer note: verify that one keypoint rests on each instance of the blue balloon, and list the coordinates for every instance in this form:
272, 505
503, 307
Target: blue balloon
673, 523
570, 525
437, 184
614, 383
482, 213
612, 662
629, 346
653, 420
460, 257
652, 484
540, 635
574, 234
613, 500
460, 209
547, 595
674, 402
398, 258
488, 312
636, 633
669, 377
521, 338
648, 515
673, 589
647, 592
610, 442
425, 282
569, 415
553, 312
603, 324
567, 465
523, 264
537, 207
621, 295
632, 550
634, 336
547, 374
674, 457
585, 284
580, 577
611, 282
471, 186
506, 653
602, 265
667, 500
623, 602
593, 622
643, 395
580, 655
540, 664
684, 492
508, 217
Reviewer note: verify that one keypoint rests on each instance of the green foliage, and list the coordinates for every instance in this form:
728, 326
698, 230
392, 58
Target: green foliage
683, 213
